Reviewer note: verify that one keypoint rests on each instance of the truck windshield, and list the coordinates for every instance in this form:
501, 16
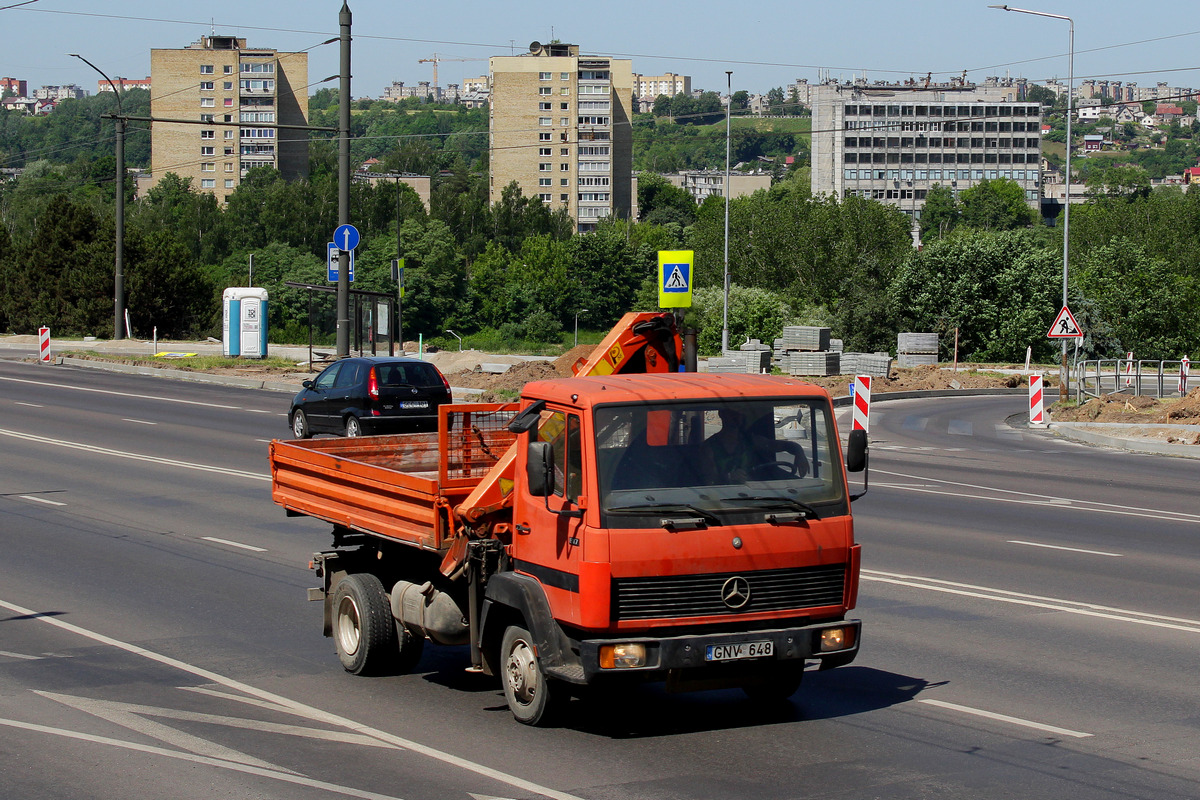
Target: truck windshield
725, 462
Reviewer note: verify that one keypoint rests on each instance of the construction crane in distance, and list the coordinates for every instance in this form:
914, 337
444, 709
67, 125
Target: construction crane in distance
435, 59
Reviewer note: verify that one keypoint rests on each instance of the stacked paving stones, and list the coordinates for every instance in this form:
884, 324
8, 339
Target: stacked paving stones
807, 350
877, 365
916, 349
751, 358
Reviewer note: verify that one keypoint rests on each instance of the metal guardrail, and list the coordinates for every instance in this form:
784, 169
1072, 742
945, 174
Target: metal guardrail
1133, 376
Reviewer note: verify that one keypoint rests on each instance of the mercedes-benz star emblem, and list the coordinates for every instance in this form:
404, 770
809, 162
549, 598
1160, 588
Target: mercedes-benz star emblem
735, 592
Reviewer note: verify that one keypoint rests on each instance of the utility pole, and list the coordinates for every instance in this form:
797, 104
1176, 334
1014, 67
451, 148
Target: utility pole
343, 285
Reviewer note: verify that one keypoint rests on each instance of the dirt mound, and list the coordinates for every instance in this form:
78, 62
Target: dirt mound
1129, 408
562, 364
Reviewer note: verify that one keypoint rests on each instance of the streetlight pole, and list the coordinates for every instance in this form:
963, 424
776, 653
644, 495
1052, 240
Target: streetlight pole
119, 223
1064, 376
725, 307
577, 313
343, 285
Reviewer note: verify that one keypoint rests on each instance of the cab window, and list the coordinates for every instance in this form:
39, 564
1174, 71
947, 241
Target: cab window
562, 431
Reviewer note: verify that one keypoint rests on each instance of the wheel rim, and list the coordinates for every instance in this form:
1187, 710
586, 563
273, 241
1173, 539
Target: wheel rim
298, 425
349, 626
352, 427
521, 668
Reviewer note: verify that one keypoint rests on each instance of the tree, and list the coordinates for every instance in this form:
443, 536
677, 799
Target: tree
996, 205
740, 100
940, 214
661, 202
1126, 181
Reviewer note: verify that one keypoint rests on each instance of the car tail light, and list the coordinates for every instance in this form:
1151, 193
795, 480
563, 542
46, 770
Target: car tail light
373, 385
446, 383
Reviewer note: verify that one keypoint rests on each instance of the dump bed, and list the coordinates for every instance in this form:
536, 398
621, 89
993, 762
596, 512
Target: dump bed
401, 487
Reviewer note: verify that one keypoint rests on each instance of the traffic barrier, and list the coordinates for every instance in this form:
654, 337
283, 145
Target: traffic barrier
1036, 415
1183, 374
1129, 369
862, 403
44, 344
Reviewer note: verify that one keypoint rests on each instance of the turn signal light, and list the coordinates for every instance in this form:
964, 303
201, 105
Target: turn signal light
622, 656
834, 639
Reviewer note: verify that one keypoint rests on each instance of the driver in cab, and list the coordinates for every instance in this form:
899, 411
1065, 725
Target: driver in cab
741, 452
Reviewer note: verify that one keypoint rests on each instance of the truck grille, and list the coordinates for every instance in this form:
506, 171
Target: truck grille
707, 595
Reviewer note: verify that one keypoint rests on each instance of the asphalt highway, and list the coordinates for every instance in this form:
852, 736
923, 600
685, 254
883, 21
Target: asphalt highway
1031, 627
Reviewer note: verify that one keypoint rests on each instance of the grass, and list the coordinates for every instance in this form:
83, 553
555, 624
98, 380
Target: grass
197, 363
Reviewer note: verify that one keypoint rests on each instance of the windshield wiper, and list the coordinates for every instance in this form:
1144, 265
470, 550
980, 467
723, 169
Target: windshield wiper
799, 510
701, 519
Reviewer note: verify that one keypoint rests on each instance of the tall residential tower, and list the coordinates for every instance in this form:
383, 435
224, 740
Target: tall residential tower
560, 128
232, 90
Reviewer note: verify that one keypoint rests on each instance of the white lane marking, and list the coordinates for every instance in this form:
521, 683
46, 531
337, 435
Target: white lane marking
1028, 498
31, 405
1068, 549
296, 707
170, 462
138, 421
120, 394
21, 656
1025, 723
299, 780
233, 544
259, 411
915, 423
264, 441
960, 427
40, 500
1034, 601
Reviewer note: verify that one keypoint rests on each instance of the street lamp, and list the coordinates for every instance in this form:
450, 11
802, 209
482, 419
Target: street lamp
456, 336
119, 244
725, 307
577, 313
1064, 375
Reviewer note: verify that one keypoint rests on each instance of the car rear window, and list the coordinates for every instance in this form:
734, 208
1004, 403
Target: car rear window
416, 374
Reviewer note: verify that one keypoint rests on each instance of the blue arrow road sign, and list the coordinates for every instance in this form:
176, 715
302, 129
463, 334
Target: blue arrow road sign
346, 237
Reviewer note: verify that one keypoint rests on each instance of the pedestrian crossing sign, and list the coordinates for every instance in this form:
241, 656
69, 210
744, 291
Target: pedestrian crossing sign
675, 278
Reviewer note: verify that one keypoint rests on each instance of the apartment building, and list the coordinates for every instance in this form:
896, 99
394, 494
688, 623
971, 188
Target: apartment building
702, 184
893, 142
123, 84
559, 125
649, 87
18, 87
234, 95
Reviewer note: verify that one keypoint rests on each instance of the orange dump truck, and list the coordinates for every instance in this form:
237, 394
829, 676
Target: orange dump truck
658, 525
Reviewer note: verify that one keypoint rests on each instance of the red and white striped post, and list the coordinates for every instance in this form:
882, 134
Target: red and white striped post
44, 344
862, 403
1183, 375
1129, 369
1036, 415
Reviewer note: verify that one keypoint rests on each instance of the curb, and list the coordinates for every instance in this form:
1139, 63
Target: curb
1087, 433
846, 400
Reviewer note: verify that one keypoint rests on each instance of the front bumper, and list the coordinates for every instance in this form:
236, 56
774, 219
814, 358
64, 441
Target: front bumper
686, 654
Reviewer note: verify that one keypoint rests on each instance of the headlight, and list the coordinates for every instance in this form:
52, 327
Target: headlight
834, 639
622, 656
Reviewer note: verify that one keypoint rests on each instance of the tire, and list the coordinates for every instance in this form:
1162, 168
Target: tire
410, 647
363, 627
777, 686
531, 697
353, 427
300, 427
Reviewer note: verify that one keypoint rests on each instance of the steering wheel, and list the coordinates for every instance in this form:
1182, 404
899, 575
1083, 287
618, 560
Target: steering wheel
790, 467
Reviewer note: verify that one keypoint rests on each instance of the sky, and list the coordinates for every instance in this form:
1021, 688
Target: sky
766, 43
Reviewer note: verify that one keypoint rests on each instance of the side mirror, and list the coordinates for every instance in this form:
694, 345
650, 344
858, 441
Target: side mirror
856, 451
539, 468
525, 421
308, 384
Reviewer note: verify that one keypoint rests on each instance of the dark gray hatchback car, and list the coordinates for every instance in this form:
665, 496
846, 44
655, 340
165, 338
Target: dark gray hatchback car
361, 396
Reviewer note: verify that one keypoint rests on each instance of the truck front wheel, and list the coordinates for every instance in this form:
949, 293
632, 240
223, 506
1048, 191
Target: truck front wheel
530, 695
363, 627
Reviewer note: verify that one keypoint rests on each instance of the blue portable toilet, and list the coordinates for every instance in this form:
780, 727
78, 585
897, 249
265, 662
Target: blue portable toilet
244, 322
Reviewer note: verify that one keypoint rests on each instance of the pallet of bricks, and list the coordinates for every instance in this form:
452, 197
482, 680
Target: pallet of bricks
916, 349
807, 350
752, 358
877, 365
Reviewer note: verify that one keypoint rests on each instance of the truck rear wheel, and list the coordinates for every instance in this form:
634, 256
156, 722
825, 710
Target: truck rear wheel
363, 627
531, 697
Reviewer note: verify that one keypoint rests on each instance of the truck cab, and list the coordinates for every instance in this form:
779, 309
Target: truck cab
682, 527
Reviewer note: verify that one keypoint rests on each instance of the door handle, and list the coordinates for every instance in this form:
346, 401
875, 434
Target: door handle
524, 530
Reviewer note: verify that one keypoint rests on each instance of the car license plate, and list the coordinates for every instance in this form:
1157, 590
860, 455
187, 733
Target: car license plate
732, 652
415, 404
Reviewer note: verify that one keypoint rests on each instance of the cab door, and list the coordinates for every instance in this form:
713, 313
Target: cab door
547, 540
